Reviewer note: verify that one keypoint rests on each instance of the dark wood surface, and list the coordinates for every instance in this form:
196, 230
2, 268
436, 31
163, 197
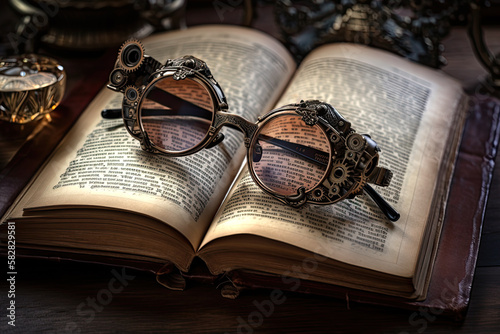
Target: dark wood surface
88, 298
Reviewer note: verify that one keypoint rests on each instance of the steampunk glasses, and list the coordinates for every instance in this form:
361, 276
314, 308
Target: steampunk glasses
298, 153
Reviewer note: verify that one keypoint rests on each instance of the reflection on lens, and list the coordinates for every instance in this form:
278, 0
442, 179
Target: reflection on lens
177, 114
288, 154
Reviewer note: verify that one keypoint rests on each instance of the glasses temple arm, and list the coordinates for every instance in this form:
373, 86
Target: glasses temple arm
111, 113
385, 207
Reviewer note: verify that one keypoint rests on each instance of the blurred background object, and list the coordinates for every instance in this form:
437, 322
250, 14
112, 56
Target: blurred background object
88, 25
413, 29
490, 61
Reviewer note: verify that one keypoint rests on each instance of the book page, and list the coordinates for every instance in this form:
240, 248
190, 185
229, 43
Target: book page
408, 110
101, 165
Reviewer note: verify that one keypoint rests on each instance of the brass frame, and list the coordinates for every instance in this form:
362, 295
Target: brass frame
352, 160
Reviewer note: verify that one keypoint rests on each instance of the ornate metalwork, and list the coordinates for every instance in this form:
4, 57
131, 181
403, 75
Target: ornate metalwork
187, 65
413, 29
309, 115
347, 164
353, 165
327, 112
135, 71
235, 121
355, 156
296, 200
133, 66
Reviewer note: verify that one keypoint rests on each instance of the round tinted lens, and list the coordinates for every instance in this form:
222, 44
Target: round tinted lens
288, 154
177, 114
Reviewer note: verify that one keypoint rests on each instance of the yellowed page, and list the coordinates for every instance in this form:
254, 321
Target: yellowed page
409, 110
100, 165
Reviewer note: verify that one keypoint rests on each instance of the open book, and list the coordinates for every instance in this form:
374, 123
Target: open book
100, 195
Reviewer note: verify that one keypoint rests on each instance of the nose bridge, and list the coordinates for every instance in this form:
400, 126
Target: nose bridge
236, 122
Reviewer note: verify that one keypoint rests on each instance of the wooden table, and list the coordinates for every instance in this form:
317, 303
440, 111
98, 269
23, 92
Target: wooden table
80, 297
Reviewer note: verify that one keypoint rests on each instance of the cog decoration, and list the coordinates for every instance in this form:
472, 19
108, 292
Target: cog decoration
131, 95
318, 194
132, 68
354, 156
347, 177
355, 142
131, 55
118, 78
342, 169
